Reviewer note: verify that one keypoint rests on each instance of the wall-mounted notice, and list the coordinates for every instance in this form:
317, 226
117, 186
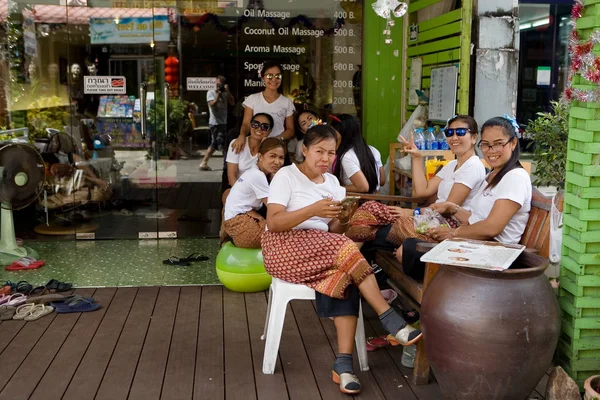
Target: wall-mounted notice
416, 72
442, 95
104, 85
201, 84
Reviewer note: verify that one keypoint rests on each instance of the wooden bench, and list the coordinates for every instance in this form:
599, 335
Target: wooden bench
536, 239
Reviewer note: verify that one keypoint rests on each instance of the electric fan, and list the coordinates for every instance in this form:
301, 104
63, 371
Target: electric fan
22, 176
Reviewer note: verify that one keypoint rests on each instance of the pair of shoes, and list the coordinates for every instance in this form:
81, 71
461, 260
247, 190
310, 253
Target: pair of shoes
76, 303
376, 343
25, 263
405, 336
32, 312
185, 261
55, 286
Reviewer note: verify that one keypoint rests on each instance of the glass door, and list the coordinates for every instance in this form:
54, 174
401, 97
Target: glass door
81, 79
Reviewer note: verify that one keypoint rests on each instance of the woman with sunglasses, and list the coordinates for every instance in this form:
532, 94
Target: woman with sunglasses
304, 244
268, 101
358, 166
242, 220
261, 126
454, 182
500, 206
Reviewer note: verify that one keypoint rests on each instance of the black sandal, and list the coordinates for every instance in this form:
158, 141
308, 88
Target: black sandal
180, 262
23, 287
55, 286
195, 257
37, 291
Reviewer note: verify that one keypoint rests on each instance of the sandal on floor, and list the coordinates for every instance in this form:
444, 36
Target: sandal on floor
389, 295
176, 261
348, 382
376, 343
23, 287
7, 312
38, 311
22, 311
25, 263
45, 298
55, 286
76, 305
194, 257
5, 289
16, 300
74, 297
38, 291
405, 336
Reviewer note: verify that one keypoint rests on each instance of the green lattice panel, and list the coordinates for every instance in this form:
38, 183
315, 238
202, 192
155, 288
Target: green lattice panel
581, 258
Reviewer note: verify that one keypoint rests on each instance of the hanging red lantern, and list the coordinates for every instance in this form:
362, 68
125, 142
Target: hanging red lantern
172, 70
171, 79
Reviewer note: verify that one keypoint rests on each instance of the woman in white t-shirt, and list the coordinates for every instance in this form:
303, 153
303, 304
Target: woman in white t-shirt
241, 220
358, 166
237, 163
268, 101
304, 244
500, 207
304, 121
455, 182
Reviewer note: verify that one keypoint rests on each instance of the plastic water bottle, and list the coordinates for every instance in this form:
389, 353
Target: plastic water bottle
441, 140
408, 356
430, 140
419, 139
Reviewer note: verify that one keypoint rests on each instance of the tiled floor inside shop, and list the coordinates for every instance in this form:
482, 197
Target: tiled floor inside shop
110, 263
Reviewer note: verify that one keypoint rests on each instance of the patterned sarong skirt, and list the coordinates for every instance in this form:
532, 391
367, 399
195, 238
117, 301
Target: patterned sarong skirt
327, 262
245, 230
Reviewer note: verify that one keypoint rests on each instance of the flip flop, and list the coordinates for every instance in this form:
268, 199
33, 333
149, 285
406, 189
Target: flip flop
23, 287
22, 311
16, 299
25, 263
376, 343
204, 168
77, 305
389, 295
176, 261
38, 291
4, 298
46, 298
7, 312
74, 297
55, 286
157, 215
38, 311
5, 289
194, 257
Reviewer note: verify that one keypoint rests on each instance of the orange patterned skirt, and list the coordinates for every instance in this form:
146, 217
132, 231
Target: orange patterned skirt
372, 215
245, 230
324, 261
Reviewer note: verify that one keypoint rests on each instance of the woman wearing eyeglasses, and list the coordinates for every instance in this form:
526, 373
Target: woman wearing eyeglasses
268, 101
454, 182
261, 125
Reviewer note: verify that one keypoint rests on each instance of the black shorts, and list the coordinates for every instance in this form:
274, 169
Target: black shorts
332, 307
217, 136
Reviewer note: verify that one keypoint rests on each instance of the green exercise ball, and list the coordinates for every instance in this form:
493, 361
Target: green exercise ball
242, 270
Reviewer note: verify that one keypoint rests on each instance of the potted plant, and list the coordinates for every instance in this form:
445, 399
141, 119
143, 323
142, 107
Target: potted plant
178, 123
550, 131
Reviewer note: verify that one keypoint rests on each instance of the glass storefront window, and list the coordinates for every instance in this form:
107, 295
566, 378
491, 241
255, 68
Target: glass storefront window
101, 86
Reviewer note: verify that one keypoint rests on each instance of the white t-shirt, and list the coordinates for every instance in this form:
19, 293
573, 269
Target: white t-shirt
470, 174
350, 165
279, 110
244, 159
292, 189
514, 186
247, 193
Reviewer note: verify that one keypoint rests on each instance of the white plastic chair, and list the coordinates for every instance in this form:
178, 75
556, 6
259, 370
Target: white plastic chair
280, 294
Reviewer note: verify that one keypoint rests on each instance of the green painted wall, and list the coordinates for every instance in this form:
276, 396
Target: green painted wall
382, 81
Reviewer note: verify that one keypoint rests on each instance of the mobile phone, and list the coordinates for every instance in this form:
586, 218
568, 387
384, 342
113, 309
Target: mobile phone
349, 202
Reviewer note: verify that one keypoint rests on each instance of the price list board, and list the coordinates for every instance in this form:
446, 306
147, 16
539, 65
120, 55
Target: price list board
442, 95
317, 43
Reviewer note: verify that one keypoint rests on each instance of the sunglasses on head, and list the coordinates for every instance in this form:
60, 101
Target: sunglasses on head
271, 76
459, 132
263, 126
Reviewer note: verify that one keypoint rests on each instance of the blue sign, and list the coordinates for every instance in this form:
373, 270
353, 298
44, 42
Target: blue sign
130, 30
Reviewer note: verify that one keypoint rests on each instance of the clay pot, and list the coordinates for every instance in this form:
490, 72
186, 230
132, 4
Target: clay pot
590, 386
488, 334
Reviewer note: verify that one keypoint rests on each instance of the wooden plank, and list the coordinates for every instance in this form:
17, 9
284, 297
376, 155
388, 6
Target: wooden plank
320, 353
121, 369
210, 379
267, 386
369, 385
52, 385
148, 380
424, 392
8, 331
179, 377
88, 377
442, 57
442, 20
415, 6
294, 361
239, 373
18, 349
464, 80
442, 45
442, 31
26, 378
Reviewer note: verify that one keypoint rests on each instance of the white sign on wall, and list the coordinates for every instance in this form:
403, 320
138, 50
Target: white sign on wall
104, 85
201, 84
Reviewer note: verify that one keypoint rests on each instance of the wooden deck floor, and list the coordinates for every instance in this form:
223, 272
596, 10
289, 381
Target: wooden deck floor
186, 343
